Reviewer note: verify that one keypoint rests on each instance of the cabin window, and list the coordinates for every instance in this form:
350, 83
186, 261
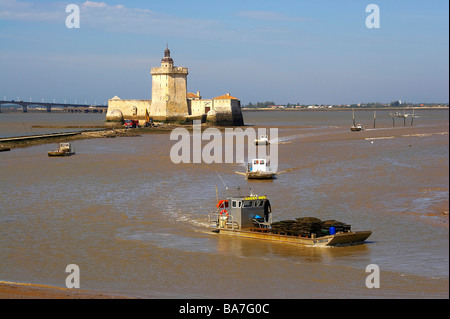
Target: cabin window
233, 204
261, 162
248, 203
239, 204
259, 203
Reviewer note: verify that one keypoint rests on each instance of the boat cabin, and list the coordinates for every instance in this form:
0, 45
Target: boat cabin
263, 139
258, 165
242, 212
65, 147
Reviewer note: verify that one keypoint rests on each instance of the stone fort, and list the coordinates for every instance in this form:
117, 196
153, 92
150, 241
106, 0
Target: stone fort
172, 103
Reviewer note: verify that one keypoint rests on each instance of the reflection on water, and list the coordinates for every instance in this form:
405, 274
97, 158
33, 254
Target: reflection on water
137, 223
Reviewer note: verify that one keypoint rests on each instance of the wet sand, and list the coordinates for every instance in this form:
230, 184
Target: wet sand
12, 290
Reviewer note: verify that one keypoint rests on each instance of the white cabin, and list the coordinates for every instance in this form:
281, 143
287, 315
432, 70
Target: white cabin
258, 165
263, 139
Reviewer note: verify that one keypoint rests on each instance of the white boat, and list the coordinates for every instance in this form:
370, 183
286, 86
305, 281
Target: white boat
259, 169
357, 127
263, 140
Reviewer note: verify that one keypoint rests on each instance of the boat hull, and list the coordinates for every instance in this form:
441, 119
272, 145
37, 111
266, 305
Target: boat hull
341, 239
260, 175
56, 153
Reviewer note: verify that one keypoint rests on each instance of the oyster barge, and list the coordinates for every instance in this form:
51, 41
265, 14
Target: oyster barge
251, 217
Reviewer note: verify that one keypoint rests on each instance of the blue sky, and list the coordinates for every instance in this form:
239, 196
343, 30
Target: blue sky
308, 52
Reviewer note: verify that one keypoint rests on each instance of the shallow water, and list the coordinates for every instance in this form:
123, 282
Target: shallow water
136, 223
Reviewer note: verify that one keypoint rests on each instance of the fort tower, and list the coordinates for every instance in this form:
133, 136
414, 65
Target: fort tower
169, 90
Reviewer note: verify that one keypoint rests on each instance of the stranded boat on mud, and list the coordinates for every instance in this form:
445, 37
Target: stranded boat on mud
64, 149
251, 217
357, 127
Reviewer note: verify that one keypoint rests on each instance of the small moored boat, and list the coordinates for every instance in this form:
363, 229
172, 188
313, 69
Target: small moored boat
263, 140
259, 169
357, 127
64, 149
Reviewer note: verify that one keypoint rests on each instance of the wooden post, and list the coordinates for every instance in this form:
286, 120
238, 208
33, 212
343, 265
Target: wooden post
374, 118
404, 116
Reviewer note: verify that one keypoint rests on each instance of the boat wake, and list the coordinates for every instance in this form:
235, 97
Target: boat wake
405, 135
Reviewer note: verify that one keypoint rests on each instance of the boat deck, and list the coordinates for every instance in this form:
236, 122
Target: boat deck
340, 239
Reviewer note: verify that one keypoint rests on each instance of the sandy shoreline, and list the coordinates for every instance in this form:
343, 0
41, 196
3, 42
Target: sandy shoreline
13, 290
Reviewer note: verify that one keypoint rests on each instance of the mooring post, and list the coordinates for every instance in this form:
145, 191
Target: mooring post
374, 118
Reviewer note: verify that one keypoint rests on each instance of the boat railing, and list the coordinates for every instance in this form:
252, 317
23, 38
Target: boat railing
217, 220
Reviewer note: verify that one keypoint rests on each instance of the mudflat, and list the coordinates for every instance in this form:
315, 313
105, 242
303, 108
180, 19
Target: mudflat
12, 290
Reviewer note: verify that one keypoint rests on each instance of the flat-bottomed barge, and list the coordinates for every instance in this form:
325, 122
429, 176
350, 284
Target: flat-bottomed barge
251, 217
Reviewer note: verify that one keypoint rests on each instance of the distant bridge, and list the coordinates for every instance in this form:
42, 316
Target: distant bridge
67, 107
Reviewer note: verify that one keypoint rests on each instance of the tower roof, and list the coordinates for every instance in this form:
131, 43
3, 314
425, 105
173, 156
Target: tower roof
167, 57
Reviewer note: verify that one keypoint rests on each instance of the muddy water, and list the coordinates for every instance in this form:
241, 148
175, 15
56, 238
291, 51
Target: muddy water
135, 223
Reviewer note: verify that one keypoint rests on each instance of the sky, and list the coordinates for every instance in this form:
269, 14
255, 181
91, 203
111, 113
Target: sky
286, 51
